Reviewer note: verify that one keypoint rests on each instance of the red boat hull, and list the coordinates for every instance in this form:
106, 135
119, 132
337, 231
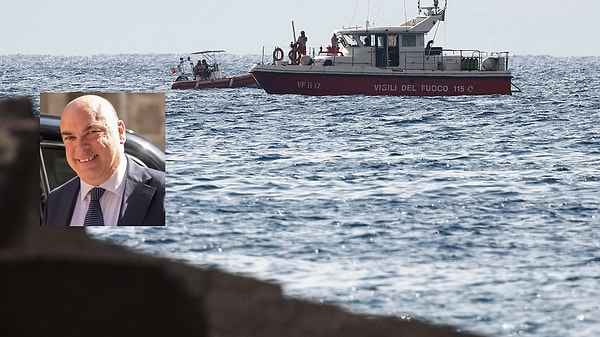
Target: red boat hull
228, 82
320, 84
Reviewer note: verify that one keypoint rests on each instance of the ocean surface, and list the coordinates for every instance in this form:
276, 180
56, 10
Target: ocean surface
478, 212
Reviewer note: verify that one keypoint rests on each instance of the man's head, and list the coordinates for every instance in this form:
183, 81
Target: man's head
94, 138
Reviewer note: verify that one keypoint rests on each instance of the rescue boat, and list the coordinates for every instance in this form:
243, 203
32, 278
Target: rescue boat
211, 77
387, 60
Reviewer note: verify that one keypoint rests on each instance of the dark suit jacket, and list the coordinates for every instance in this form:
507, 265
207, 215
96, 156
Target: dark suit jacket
143, 199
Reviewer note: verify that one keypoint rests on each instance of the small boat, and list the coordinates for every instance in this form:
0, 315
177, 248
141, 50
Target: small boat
209, 77
387, 60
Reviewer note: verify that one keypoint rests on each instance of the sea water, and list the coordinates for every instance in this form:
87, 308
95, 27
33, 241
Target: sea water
477, 212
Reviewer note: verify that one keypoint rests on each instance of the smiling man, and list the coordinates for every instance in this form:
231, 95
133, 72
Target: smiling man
109, 189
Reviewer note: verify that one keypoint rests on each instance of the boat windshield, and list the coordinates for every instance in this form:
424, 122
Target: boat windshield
350, 40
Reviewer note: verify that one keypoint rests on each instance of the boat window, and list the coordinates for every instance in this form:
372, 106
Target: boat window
367, 40
392, 40
381, 41
350, 40
409, 40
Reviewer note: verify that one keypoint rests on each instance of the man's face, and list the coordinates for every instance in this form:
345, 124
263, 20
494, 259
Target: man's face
93, 141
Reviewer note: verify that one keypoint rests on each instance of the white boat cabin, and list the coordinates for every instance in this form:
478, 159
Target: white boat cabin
403, 47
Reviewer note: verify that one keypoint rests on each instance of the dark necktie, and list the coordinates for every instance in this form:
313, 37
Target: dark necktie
94, 214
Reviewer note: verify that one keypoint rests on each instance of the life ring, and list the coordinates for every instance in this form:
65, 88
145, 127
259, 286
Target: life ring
278, 54
294, 55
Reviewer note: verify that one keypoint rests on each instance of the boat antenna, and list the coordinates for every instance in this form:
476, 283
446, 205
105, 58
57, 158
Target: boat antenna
439, 22
293, 32
368, 8
394, 13
354, 13
378, 11
405, 16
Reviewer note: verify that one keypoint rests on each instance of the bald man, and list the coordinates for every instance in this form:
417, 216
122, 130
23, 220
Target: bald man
109, 189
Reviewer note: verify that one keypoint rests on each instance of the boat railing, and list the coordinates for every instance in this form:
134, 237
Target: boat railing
455, 59
215, 73
436, 58
269, 54
472, 59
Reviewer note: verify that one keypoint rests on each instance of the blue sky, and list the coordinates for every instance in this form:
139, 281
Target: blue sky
70, 27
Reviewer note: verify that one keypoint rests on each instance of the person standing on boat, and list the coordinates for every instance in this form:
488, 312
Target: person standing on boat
197, 70
301, 43
334, 44
205, 70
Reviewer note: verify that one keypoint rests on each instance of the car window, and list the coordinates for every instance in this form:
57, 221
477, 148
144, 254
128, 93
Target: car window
58, 170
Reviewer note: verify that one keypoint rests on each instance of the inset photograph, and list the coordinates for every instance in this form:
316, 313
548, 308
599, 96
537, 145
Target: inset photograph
102, 159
